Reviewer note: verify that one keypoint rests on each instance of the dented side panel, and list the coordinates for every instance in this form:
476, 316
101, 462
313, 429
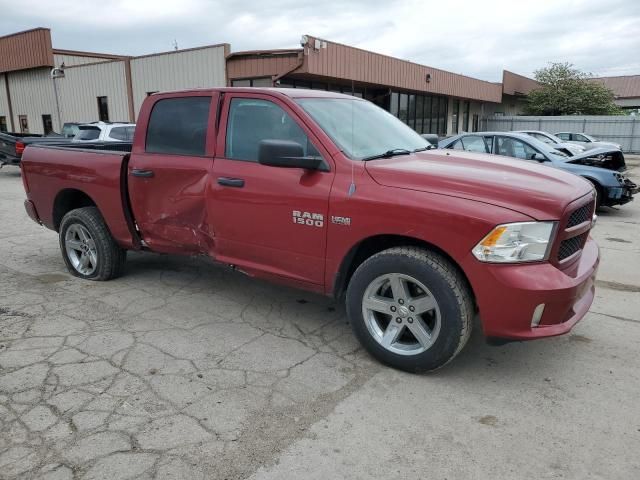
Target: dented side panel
170, 208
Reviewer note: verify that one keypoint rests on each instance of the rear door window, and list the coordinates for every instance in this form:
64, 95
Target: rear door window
475, 144
178, 126
564, 136
512, 147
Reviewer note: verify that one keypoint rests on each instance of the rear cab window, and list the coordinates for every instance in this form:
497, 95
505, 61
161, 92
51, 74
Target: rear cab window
178, 126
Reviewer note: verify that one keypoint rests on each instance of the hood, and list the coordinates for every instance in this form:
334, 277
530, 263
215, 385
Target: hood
611, 159
600, 144
538, 191
574, 148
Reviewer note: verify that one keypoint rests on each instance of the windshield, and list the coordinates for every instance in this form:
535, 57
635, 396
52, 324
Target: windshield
361, 129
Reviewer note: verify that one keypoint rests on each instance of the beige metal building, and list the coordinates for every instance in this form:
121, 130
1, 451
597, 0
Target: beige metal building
428, 99
41, 87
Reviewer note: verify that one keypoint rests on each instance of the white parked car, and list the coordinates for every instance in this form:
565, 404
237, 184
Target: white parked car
104, 132
570, 149
587, 141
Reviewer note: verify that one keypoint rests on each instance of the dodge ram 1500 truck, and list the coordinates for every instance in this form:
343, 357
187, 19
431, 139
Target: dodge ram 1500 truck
332, 194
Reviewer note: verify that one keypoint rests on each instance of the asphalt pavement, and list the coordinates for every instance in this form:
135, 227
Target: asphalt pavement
185, 369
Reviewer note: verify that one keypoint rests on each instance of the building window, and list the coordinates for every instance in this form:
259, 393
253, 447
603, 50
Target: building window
419, 113
253, 82
103, 109
3, 124
454, 116
442, 116
241, 83
404, 107
411, 120
395, 102
178, 126
475, 124
427, 114
465, 116
24, 123
47, 124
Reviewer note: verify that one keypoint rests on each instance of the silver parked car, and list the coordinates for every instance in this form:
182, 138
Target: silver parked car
587, 141
104, 132
569, 148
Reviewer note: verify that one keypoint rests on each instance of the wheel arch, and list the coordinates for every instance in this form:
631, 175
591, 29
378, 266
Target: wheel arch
66, 200
377, 243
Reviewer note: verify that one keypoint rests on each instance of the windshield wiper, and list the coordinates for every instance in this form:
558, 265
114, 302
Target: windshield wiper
388, 154
428, 147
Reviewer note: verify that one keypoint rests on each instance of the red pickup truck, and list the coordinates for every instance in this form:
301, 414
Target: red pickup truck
329, 193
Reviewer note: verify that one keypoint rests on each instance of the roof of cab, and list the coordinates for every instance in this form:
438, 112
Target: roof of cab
289, 92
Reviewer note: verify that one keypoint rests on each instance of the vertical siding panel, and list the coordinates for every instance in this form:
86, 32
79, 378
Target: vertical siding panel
178, 70
32, 95
79, 89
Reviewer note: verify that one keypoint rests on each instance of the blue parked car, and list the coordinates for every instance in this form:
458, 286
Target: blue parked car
603, 167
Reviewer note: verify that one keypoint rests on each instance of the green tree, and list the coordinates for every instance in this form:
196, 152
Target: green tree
566, 90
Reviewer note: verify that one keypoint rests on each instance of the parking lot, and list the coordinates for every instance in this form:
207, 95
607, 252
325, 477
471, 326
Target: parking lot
186, 369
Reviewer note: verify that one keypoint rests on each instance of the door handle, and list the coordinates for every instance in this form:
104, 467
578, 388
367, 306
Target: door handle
142, 173
231, 182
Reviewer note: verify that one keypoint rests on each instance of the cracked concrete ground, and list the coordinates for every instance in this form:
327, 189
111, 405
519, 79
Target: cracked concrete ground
184, 369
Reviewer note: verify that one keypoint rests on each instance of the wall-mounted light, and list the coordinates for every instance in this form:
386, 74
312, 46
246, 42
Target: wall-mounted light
428, 78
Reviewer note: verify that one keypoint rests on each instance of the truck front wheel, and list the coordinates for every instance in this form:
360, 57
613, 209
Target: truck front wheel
410, 308
88, 249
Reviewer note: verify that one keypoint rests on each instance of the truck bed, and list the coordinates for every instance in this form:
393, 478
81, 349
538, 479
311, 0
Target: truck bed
54, 174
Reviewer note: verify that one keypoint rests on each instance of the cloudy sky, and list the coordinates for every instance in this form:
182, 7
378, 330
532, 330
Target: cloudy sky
477, 38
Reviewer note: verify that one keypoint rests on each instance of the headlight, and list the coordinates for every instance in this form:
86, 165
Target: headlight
622, 179
516, 242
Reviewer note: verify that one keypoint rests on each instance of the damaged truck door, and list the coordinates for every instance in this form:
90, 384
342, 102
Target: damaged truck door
169, 171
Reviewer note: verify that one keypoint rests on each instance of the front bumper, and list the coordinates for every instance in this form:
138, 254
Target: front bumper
507, 296
620, 195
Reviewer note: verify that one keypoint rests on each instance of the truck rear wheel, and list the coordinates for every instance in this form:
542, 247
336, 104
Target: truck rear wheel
88, 249
410, 308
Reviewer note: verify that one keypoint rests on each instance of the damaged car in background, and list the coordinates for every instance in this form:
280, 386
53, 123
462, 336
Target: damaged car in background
603, 167
569, 148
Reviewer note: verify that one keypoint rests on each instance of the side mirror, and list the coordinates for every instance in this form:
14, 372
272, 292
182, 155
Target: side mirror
539, 157
286, 154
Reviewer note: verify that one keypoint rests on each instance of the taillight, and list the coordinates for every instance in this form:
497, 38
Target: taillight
19, 148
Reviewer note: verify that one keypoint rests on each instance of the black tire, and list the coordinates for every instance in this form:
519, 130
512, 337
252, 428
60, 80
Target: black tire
110, 257
447, 287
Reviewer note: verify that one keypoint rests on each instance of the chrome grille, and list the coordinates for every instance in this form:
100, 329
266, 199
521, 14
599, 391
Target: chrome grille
571, 245
580, 215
